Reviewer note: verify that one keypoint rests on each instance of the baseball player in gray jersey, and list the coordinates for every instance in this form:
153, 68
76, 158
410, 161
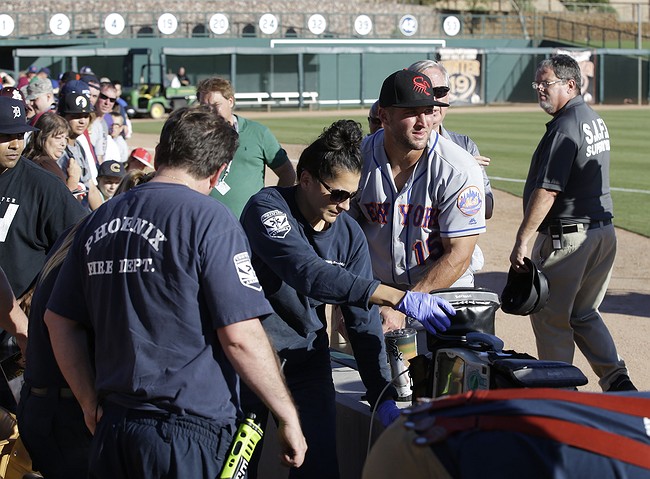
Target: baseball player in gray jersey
421, 202
440, 83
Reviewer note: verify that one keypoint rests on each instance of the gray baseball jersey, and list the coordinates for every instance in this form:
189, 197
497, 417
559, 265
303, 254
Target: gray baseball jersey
444, 197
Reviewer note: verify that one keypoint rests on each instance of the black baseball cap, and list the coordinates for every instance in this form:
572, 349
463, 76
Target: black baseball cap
407, 89
12, 116
74, 98
111, 168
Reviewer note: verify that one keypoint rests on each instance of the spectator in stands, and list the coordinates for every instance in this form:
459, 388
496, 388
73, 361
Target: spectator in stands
16, 94
98, 129
121, 104
35, 206
40, 95
75, 107
109, 177
258, 148
92, 85
139, 159
48, 145
116, 147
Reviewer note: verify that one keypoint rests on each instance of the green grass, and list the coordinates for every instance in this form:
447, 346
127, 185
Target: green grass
509, 139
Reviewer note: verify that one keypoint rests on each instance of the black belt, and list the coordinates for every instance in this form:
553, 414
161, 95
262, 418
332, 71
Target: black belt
46, 392
575, 227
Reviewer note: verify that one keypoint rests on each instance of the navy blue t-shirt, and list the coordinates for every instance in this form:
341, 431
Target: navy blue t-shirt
302, 269
154, 272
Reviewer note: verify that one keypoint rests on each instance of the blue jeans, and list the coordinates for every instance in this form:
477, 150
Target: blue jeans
309, 378
138, 444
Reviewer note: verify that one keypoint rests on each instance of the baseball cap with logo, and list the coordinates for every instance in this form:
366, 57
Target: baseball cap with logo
74, 97
32, 69
12, 116
111, 168
75, 102
407, 89
12, 92
38, 87
143, 156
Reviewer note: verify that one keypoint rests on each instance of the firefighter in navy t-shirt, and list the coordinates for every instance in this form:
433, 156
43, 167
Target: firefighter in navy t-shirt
160, 280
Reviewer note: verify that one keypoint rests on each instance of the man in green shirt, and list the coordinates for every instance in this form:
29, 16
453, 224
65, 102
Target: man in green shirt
257, 149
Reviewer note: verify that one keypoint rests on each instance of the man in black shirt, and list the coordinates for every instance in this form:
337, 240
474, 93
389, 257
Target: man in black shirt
567, 201
35, 207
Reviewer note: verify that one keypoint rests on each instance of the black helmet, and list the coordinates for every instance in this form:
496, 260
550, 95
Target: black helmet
526, 292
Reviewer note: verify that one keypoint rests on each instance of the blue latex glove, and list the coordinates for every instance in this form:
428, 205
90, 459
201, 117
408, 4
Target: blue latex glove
430, 310
388, 412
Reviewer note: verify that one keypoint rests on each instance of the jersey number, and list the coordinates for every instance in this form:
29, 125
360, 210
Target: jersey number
423, 250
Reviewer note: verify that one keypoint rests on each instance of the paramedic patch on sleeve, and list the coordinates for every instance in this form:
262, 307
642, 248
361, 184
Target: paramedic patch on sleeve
470, 201
276, 223
245, 271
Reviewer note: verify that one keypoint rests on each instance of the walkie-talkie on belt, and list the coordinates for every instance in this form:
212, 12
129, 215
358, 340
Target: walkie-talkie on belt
243, 445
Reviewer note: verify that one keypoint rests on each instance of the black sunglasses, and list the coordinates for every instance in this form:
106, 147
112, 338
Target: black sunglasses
440, 91
374, 121
106, 97
338, 196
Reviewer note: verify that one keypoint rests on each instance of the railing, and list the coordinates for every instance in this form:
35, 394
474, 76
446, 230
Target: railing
568, 27
556, 28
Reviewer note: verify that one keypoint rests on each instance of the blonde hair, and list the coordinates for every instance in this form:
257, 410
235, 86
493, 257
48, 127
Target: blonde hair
57, 258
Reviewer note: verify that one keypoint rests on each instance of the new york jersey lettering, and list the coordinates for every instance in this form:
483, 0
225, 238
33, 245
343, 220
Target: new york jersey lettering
419, 216
378, 212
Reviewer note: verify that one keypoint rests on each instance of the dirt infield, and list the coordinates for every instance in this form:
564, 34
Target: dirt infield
626, 307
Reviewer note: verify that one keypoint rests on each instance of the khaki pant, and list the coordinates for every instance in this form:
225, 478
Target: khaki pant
578, 276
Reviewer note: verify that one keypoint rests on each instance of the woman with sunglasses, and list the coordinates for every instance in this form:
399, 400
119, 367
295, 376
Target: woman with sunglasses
308, 253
